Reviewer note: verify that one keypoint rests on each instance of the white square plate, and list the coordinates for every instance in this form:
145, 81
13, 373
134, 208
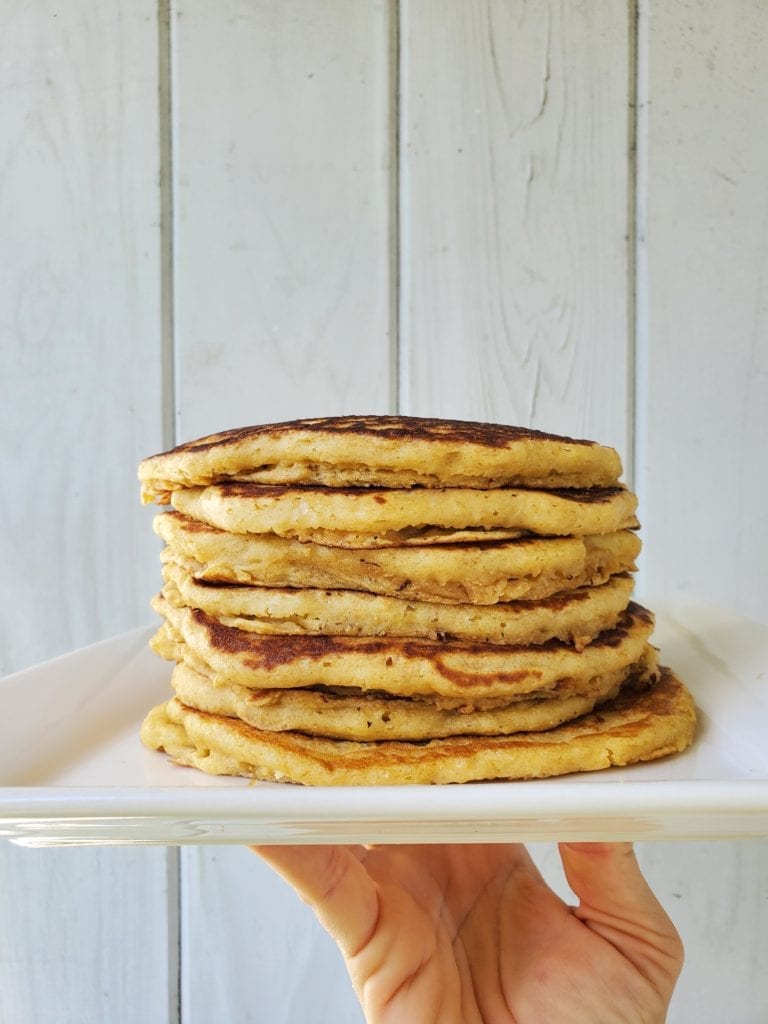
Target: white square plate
72, 769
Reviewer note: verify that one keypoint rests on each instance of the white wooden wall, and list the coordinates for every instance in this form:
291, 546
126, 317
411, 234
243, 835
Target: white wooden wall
218, 214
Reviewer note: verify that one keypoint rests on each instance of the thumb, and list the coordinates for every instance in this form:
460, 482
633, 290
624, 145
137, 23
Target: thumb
332, 880
617, 903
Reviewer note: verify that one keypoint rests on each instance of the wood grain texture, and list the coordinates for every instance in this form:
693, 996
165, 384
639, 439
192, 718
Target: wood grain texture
80, 389
84, 935
283, 283
717, 895
254, 953
515, 200
283, 309
705, 418
702, 421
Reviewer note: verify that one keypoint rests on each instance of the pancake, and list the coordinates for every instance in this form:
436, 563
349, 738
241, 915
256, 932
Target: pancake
636, 726
527, 569
395, 665
574, 615
388, 451
323, 514
413, 536
373, 716
169, 644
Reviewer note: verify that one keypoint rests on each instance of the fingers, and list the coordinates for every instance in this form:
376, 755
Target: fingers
335, 884
617, 903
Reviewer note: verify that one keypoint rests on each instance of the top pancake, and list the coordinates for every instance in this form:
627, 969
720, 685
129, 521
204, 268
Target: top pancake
384, 451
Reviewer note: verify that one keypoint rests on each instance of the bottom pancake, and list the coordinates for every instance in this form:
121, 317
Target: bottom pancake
639, 725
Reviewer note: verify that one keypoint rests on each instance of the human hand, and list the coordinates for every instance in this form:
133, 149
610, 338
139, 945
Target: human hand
472, 934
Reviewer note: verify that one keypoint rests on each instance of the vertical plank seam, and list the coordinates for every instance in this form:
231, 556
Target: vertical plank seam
632, 240
639, 283
168, 398
173, 875
167, 247
396, 361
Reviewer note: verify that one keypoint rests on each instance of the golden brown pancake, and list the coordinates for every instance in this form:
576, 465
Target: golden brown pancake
636, 726
341, 514
388, 451
464, 670
573, 615
170, 644
351, 715
529, 569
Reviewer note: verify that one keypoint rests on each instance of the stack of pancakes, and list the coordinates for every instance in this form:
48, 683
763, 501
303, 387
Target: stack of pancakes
384, 600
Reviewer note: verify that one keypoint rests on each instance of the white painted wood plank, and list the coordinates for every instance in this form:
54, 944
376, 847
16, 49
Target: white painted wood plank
85, 934
702, 420
717, 895
704, 484
85, 937
252, 952
283, 308
80, 380
458, 290
515, 210
283, 288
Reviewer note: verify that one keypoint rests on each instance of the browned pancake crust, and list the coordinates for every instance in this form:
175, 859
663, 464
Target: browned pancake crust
635, 727
574, 615
393, 428
301, 511
389, 450
466, 670
527, 569
345, 714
